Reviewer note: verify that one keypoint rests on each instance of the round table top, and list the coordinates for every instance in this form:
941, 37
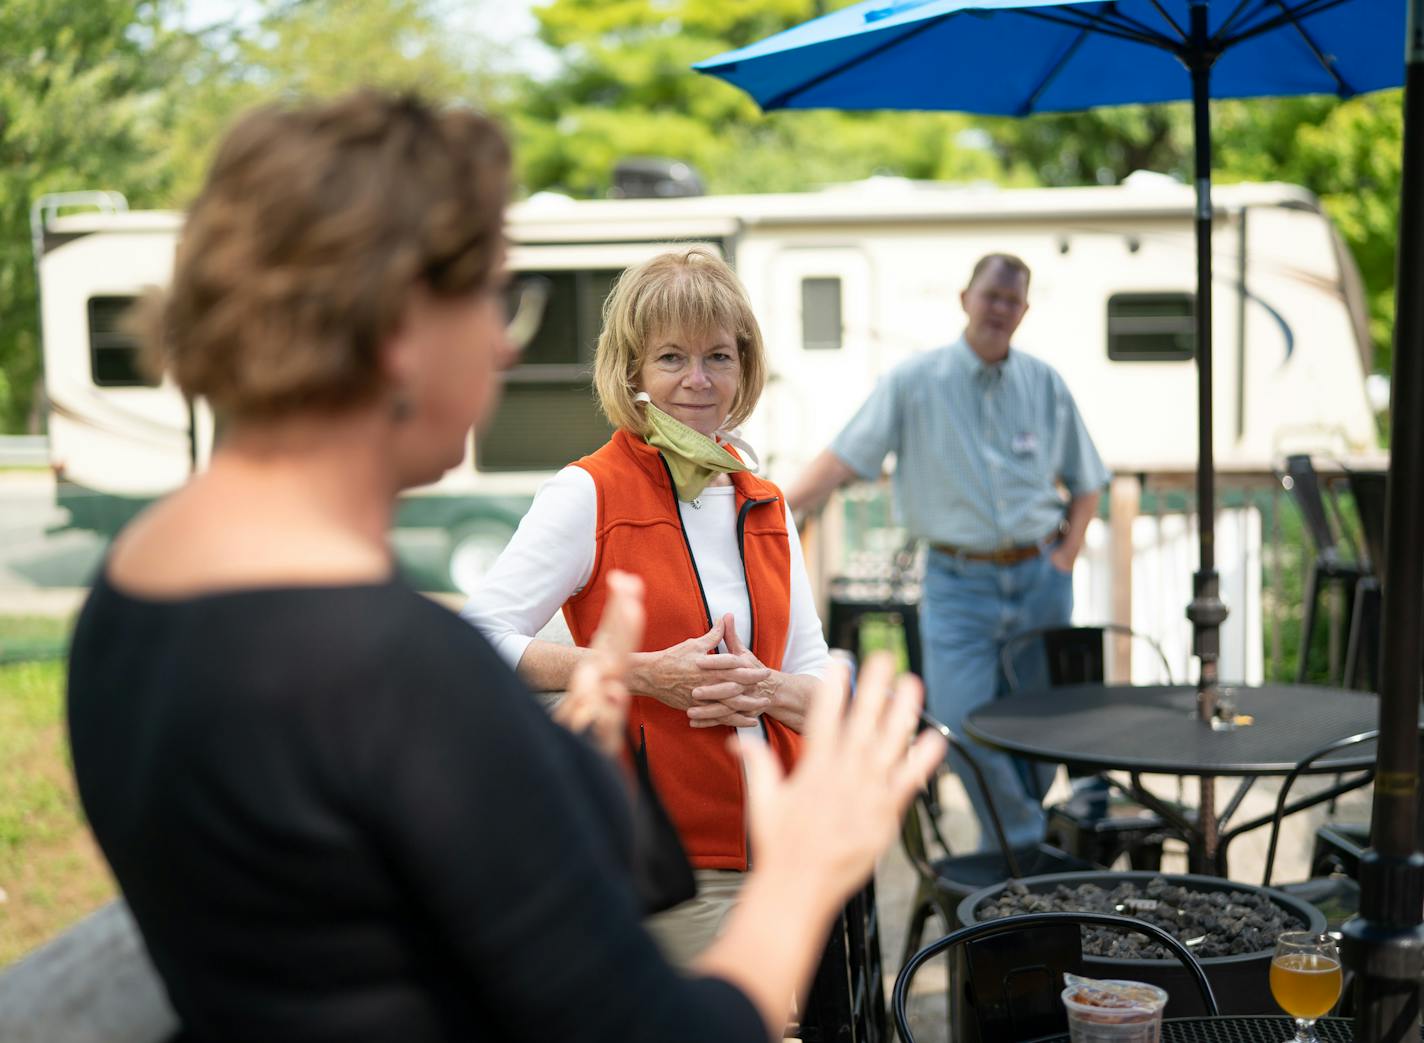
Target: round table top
1154, 728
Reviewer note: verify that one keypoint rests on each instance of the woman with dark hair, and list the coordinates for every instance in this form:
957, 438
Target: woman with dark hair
322, 832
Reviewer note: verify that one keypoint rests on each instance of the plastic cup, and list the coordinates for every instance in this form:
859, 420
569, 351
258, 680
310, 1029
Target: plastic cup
1096, 1018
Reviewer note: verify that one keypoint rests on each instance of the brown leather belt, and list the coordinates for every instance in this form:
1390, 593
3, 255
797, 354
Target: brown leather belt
1002, 556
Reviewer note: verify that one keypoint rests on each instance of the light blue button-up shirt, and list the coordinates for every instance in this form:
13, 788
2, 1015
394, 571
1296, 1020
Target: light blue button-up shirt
979, 448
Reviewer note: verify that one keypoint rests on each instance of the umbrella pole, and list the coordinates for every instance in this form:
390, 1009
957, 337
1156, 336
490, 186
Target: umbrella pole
1384, 945
1207, 611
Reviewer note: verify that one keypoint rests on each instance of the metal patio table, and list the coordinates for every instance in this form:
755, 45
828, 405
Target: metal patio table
1154, 730
1242, 1029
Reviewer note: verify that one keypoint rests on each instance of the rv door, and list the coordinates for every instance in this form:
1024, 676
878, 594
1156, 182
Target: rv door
815, 304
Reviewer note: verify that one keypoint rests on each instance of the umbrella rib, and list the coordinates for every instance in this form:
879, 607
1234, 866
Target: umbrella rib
1074, 21
1288, 16
1292, 17
1052, 73
780, 100
1233, 18
1167, 17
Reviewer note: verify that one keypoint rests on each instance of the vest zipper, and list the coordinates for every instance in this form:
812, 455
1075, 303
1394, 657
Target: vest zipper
742, 553
677, 511
751, 612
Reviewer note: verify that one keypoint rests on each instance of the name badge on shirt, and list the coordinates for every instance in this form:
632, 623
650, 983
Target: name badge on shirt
1024, 444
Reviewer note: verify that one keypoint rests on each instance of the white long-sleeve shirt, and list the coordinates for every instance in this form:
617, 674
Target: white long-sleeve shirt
550, 558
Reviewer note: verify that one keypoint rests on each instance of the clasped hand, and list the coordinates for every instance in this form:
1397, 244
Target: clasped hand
736, 687
731, 688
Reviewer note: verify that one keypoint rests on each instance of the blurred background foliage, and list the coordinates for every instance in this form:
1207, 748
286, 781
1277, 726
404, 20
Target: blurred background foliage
133, 94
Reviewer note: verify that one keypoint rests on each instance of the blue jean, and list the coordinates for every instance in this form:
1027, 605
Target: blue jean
969, 610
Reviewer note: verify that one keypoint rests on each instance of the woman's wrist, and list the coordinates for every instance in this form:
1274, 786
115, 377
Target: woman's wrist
790, 696
639, 674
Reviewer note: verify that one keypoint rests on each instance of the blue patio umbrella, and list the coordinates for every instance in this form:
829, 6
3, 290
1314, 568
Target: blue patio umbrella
1018, 57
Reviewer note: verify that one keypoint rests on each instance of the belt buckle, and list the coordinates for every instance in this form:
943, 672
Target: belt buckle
1003, 556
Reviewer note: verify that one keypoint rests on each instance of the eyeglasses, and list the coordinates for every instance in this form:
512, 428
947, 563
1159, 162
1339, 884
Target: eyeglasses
524, 306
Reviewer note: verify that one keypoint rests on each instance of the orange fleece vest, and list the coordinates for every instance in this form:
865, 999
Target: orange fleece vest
639, 530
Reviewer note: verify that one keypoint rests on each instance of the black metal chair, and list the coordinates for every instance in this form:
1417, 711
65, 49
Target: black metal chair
1012, 974
846, 1001
944, 879
1362, 649
1336, 894
1336, 560
1093, 828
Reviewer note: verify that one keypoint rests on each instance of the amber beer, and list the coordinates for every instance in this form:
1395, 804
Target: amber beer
1306, 985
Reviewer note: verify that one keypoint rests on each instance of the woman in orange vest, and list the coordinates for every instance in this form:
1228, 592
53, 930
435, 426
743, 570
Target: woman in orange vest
733, 643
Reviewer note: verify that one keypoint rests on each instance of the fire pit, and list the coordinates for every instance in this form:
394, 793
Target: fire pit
1230, 926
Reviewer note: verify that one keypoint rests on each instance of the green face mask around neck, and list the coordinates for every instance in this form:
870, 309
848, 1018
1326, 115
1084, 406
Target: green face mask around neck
693, 458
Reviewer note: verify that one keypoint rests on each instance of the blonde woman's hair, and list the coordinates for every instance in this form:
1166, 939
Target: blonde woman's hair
689, 290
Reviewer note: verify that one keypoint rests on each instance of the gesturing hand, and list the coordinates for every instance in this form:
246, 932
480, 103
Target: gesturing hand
842, 804
597, 699
737, 687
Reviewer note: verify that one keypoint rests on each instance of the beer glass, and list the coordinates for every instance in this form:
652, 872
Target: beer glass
1305, 979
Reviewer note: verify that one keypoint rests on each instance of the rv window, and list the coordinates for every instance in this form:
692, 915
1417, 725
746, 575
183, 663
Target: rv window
548, 415
113, 352
1151, 327
821, 314
541, 427
568, 331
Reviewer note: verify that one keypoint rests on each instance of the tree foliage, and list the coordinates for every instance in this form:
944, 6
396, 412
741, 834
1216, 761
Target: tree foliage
78, 87
316, 48
626, 88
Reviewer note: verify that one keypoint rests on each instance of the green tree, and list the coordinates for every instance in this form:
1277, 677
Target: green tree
79, 81
318, 48
626, 88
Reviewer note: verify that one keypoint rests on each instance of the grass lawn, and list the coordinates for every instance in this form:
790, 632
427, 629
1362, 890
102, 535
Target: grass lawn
51, 872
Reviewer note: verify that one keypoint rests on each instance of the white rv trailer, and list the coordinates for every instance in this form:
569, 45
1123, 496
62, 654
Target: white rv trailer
846, 283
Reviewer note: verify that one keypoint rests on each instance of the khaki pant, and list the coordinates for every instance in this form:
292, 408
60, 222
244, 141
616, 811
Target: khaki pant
686, 930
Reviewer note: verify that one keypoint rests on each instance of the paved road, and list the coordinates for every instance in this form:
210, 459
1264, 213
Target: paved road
46, 573
40, 572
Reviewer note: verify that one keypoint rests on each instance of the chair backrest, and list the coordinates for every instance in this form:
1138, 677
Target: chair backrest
912, 836
995, 822
1301, 480
1071, 655
1300, 766
1368, 488
995, 1021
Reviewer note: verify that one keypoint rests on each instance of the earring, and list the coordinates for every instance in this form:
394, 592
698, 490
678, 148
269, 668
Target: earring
402, 409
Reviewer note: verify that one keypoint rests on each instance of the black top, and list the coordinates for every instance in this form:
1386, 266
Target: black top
1154, 728
337, 815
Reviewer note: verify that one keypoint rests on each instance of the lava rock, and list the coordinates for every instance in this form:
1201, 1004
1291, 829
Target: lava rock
1218, 923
